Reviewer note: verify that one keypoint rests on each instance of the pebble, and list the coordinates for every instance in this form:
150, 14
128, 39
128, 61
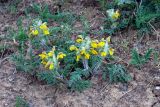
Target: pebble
156, 104
156, 91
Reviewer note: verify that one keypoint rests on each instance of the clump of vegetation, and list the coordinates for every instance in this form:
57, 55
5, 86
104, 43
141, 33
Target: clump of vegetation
138, 60
67, 61
121, 13
118, 73
20, 102
54, 55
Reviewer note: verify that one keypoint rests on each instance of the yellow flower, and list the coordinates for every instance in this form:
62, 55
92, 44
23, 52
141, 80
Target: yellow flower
79, 39
46, 32
111, 51
116, 15
94, 52
34, 32
83, 51
61, 55
87, 56
43, 26
73, 48
101, 44
44, 62
78, 57
109, 39
103, 54
51, 66
94, 44
50, 54
43, 55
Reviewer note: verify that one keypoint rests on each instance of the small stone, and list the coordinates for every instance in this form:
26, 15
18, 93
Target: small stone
156, 91
157, 88
123, 87
156, 104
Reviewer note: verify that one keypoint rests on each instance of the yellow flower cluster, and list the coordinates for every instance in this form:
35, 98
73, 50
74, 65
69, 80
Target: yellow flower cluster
39, 29
101, 47
87, 47
116, 15
44, 28
61, 55
79, 39
113, 14
82, 52
49, 60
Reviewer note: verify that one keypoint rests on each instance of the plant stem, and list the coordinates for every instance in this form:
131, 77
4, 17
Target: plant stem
95, 70
85, 64
29, 50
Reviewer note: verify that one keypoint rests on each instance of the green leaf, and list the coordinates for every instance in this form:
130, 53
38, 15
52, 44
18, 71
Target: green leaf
20, 102
148, 54
121, 2
117, 73
138, 60
47, 76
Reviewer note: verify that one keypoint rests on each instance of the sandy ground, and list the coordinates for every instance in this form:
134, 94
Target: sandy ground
13, 84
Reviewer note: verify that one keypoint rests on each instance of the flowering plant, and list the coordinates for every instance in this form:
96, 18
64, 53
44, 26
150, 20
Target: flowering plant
113, 17
87, 47
68, 62
50, 60
39, 28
